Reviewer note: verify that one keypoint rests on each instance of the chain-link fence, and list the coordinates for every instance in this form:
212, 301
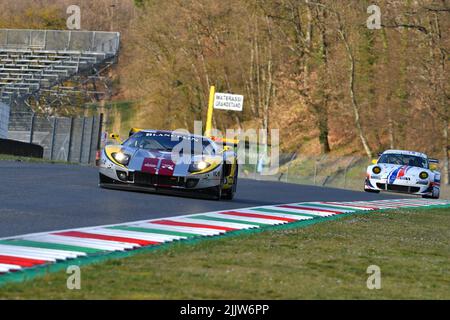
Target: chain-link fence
331, 171
63, 139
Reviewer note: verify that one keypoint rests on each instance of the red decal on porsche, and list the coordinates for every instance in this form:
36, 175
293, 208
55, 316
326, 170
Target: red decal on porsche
150, 165
166, 168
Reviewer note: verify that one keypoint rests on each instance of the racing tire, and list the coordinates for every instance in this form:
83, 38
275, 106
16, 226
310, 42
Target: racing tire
217, 190
228, 194
435, 194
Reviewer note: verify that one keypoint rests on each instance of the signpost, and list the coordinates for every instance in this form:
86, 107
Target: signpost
222, 101
226, 101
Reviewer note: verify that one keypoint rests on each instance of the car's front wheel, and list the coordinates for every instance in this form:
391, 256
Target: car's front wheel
228, 194
434, 194
216, 191
371, 191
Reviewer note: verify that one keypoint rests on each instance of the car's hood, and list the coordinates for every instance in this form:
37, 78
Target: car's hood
162, 162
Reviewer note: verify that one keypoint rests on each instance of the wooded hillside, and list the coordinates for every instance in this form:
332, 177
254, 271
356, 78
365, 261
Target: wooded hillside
311, 68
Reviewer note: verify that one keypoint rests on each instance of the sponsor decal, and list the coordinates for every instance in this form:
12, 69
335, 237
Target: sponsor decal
150, 165
173, 136
166, 167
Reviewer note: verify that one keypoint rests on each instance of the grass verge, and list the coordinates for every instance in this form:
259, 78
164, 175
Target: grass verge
324, 261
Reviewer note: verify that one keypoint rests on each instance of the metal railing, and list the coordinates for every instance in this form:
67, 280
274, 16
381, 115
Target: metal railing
60, 40
328, 171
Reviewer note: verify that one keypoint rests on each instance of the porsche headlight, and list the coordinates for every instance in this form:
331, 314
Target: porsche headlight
121, 157
376, 170
423, 175
198, 166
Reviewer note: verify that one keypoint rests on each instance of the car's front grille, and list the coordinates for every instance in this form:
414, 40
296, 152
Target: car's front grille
147, 179
398, 188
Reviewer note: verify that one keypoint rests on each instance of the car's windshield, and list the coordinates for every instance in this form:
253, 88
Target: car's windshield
404, 159
168, 141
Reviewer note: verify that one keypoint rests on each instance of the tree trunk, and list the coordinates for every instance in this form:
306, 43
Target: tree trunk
355, 106
390, 123
446, 173
323, 131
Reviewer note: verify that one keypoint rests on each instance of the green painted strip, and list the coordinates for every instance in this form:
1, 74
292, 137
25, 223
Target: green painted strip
159, 231
326, 206
203, 217
286, 212
48, 245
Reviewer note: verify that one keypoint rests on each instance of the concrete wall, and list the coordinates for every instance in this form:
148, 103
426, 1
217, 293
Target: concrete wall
64, 139
4, 120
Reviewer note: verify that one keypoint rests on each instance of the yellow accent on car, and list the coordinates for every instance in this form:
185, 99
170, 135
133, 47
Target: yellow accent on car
214, 164
109, 150
133, 131
230, 182
115, 136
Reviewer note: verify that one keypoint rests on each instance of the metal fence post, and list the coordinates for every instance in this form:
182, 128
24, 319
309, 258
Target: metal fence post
70, 139
346, 170
32, 127
287, 171
315, 171
90, 140
53, 138
82, 139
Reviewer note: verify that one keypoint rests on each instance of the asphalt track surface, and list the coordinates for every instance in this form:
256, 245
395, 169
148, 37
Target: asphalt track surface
39, 197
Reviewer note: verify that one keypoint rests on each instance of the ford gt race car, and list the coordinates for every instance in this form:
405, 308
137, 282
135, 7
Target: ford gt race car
406, 172
153, 160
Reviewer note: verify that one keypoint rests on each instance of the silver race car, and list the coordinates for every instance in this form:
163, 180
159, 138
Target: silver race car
153, 160
406, 172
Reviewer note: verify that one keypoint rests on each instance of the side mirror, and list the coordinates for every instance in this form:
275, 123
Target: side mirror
374, 161
114, 136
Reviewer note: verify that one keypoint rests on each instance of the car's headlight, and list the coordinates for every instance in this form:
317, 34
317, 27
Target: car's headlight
423, 175
198, 166
376, 170
121, 157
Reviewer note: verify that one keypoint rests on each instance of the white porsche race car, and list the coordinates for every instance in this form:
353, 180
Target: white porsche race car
405, 172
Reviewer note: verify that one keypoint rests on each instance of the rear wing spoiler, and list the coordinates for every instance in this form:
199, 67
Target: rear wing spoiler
433, 160
225, 142
133, 131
